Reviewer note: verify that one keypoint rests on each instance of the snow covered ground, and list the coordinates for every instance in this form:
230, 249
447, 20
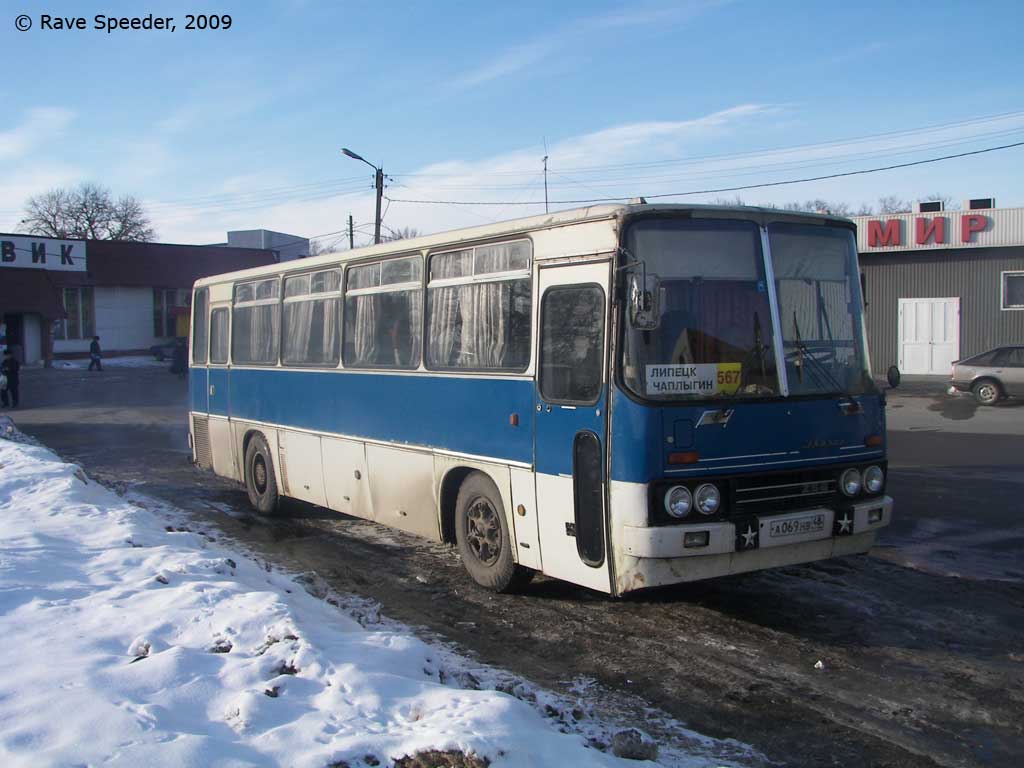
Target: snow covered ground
128, 361
130, 640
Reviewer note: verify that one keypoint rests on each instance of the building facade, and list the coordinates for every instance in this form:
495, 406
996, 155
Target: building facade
55, 295
941, 285
287, 247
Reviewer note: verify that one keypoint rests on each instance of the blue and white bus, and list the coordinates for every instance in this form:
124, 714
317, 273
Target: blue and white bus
620, 396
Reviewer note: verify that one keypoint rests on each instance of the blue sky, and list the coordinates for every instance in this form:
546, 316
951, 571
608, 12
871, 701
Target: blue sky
241, 128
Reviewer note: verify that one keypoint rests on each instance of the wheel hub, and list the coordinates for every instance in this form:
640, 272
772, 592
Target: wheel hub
483, 531
259, 474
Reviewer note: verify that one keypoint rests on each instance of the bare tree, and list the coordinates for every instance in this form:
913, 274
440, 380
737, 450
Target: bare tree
88, 212
893, 204
736, 201
948, 203
405, 233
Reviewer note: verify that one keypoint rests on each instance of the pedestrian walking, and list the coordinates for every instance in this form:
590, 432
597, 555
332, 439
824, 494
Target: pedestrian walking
9, 370
95, 358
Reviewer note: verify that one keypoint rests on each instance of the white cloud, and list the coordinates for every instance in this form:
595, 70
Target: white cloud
40, 126
515, 175
621, 161
576, 36
512, 60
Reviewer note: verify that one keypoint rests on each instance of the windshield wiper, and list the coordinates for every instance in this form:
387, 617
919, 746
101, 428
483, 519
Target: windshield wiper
819, 367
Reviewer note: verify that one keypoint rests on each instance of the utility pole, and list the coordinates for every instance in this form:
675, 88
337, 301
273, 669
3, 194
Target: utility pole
378, 182
380, 194
545, 183
351, 234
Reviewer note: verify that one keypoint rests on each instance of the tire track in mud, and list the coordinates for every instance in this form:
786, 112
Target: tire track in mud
915, 666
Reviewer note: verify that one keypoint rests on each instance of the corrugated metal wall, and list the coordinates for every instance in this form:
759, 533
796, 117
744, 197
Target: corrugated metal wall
972, 275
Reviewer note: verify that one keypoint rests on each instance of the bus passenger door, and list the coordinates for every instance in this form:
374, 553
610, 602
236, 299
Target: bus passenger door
218, 391
198, 378
570, 434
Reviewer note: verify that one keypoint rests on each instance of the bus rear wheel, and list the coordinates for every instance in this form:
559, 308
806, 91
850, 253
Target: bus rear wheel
483, 538
260, 481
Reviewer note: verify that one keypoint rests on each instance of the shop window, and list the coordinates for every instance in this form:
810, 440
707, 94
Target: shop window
80, 322
1013, 290
165, 302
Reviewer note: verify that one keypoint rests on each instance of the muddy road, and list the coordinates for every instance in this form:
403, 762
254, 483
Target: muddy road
921, 643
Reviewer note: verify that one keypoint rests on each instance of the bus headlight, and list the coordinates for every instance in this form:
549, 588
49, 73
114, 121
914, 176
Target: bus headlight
874, 479
678, 501
849, 482
708, 499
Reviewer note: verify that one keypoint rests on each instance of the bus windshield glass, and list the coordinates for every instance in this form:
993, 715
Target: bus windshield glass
820, 308
711, 333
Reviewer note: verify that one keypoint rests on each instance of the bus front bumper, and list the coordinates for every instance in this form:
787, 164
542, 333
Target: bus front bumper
758, 533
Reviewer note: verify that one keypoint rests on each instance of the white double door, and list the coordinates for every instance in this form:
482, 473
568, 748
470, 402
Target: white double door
929, 335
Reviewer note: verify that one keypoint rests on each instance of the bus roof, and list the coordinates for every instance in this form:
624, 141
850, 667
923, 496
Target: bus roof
601, 237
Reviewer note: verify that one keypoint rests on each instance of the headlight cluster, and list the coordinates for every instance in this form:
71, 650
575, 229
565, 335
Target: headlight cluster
851, 482
679, 501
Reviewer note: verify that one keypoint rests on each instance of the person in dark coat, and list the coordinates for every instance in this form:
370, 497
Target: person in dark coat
179, 358
95, 358
10, 368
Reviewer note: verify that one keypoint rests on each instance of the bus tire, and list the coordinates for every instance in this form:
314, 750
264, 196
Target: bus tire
260, 481
483, 539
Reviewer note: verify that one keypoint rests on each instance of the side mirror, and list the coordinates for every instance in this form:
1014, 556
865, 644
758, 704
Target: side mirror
893, 376
643, 302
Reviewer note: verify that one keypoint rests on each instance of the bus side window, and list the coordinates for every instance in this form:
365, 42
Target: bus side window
200, 326
219, 336
572, 344
479, 303
383, 314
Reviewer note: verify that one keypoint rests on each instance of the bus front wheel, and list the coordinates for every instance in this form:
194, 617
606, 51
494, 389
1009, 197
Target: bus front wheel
483, 537
260, 481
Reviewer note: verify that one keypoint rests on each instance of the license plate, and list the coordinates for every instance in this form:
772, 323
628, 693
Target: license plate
796, 526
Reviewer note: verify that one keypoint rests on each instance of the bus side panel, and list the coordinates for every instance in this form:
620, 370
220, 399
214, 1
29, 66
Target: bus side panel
221, 447
301, 466
346, 481
402, 487
525, 525
461, 414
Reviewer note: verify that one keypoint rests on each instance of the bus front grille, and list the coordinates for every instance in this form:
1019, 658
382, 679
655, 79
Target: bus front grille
201, 438
785, 490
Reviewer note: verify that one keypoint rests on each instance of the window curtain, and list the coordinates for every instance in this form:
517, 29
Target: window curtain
365, 337
329, 330
485, 311
298, 323
445, 326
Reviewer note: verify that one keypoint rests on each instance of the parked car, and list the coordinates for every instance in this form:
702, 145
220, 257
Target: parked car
990, 376
165, 351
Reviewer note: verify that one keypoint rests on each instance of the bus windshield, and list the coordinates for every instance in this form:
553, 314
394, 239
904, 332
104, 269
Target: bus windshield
713, 336
820, 308
710, 333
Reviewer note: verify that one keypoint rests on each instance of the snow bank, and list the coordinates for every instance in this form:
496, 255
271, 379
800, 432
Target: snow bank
127, 361
136, 643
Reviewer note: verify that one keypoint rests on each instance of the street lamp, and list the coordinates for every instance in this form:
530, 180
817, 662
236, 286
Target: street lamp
378, 181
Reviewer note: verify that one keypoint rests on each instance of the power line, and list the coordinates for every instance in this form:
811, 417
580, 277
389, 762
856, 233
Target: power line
776, 150
725, 189
751, 170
